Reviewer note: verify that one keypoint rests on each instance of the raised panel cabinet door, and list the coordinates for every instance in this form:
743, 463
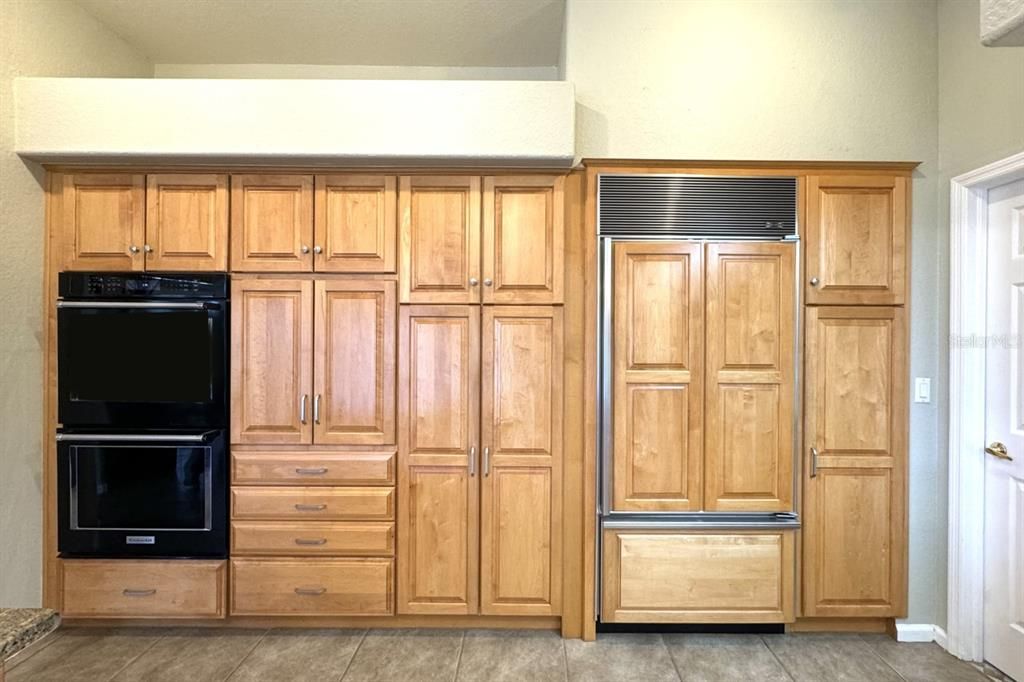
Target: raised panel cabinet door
855, 422
271, 361
356, 223
521, 433
524, 226
856, 239
272, 223
354, 361
186, 222
104, 221
748, 443
439, 259
438, 452
657, 376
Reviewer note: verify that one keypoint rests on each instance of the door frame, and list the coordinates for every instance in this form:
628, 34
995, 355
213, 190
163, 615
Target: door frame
968, 270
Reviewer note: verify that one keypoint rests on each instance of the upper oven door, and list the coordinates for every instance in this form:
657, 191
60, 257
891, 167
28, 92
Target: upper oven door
142, 364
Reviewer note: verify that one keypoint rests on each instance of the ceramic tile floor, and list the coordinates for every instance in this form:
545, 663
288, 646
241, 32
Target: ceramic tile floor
194, 655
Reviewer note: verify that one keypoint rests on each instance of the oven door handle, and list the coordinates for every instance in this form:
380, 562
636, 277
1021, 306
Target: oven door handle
141, 437
188, 305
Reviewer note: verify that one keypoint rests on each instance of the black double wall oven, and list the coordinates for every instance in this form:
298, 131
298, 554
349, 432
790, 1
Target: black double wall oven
142, 390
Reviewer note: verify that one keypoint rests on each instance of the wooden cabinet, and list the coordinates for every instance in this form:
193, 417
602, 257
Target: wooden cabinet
312, 503
292, 538
104, 222
750, 384
186, 222
293, 386
854, 521
271, 361
312, 587
303, 467
356, 223
523, 230
657, 372
123, 588
438, 489
856, 239
521, 434
665, 576
440, 239
272, 223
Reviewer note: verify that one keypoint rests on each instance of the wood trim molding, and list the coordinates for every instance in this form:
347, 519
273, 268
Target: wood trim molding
968, 215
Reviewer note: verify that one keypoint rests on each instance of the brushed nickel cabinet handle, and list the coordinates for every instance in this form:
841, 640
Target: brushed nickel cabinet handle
138, 593
473, 281
310, 507
317, 250
487, 461
133, 249
302, 408
814, 462
815, 281
310, 541
304, 249
472, 460
310, 591
488, 282
319, 471
316, 409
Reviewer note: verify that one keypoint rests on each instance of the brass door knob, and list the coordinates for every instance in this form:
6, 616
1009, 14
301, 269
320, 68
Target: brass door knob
997, 449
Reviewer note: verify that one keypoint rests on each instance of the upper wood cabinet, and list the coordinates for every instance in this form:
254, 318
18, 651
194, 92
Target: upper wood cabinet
356, 223
293, 385
438, 484
856, 239
272, 223
271, 360
354, 382
521, 434
750, 385
657, 372
524, 225
440, 239
186, 222
104, 222
854, 520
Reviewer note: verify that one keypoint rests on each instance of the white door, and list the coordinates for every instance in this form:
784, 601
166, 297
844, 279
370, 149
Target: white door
1004, 432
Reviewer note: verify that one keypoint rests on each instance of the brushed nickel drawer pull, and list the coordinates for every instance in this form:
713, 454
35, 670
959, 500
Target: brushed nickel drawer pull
310, 541
310, 507
318, 471
138, 593
310, 591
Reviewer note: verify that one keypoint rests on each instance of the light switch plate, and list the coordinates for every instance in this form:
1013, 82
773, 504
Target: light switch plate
922, 390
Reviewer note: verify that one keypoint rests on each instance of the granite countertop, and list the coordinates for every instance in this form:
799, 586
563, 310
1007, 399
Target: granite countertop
20, 627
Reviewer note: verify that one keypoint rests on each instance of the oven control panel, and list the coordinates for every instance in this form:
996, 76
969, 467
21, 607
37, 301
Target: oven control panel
115, 285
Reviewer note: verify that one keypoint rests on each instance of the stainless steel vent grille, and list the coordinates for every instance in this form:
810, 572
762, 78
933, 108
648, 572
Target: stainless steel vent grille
696, 206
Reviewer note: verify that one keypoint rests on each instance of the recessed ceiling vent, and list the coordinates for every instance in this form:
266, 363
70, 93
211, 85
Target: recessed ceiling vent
696, 206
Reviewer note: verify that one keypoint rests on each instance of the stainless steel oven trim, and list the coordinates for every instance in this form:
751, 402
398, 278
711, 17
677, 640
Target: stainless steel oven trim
134, 304
141, 437
208, 499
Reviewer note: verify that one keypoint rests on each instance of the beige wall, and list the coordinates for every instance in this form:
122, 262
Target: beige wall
981, 120
778, 79
37, 38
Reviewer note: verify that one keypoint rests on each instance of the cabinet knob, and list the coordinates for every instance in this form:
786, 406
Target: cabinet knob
814, 281
317, 250
305, 249
133, 248
473, 281
488, 282
147, 248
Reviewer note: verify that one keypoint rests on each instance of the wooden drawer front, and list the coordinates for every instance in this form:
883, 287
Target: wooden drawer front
143, 589
358, 538
310, 468
657, 576
321, 504
329, 587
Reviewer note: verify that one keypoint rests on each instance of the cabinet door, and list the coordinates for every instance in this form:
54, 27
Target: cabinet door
748, 445
524, 225
657, 372
440, 251
521, 432
438, 488
271, 361
854, 520
354, 382
856, 239
186, 222
104, 222
272, 223
356, 223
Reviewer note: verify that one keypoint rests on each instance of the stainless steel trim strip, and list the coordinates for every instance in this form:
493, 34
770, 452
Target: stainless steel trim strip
120, 437
132, 304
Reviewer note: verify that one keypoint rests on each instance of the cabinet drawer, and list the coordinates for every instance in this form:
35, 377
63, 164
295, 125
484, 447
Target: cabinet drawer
329, 587
360, 538
663, 576
143, 589
313, 468
324, 504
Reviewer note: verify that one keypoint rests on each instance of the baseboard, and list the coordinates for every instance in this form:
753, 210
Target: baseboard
921, 632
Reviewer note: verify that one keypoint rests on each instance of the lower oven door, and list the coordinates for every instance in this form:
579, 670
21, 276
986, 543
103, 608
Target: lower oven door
131, 495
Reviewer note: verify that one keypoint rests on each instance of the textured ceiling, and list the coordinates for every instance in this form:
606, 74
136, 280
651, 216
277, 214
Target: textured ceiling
358, 32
